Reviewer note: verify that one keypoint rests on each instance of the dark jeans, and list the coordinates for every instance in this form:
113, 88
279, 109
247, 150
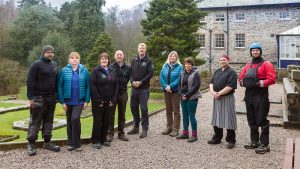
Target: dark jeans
42, 115
101, 117
230, 137
257, 111
121, 102
73, 125
139, 98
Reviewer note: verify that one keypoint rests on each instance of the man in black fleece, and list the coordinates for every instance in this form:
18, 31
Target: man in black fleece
140, 74
41, 92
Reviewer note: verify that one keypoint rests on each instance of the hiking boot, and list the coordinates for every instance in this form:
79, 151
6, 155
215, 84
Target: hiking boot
230, 145
106, 144
213, 141
122, 137
192, 139
134, 130
78, 149
251, 145
31, 149
183, 136
110, 137
51, 146
166, 131
174, 133
96, 146
70, 148
144, 134
262, 149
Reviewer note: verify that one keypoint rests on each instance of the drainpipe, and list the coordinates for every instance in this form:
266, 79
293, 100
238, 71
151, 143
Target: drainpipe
227, 29
210, 57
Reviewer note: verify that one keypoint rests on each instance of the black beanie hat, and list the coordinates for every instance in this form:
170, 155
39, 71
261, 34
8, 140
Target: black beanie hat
47, 48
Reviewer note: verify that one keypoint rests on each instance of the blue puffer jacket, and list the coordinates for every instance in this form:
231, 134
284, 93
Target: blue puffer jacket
174, 77
65, 80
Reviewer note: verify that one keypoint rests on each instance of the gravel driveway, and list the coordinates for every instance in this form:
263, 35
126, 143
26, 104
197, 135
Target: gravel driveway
158, 151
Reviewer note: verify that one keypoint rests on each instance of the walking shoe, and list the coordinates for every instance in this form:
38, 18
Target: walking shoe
134, 130
31, 149
70, 148
144, 134
192, 139
251, 145
51, 146
110, 137
122, 137
106, 144
96, 146
166, 131
213, 141
78, 149
174, 133
230, 145
183, 136
262, 149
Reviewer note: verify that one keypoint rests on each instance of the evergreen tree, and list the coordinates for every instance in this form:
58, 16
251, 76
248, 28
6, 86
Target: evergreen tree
88, 23
24, 3
102, 44
172, 25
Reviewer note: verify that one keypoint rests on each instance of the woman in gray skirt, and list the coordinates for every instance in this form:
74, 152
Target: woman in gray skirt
222, 87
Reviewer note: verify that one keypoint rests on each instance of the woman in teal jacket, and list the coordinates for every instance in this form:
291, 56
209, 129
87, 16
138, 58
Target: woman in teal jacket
169, 79
74, 95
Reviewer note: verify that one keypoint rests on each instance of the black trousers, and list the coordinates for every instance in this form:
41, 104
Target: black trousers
101, 117
74, 125
121, 103
42, 116
230, 137
139, 99
257, 111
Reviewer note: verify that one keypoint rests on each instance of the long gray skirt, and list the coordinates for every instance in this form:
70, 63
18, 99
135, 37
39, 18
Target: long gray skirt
224, 115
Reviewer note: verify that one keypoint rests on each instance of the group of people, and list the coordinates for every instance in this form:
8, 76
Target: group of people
106, 88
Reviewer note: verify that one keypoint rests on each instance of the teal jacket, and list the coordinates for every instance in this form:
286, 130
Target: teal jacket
65, 80
174, 76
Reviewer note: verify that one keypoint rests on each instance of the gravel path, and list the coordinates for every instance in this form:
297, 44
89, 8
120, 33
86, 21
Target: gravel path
157, 151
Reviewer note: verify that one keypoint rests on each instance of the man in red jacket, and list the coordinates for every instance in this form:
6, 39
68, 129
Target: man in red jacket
256, 76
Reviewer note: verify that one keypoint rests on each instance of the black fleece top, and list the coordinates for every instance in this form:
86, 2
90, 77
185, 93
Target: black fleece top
123, 76
42, 78
104, 86
141, 70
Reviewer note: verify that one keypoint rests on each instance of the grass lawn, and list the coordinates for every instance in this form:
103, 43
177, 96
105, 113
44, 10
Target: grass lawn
7, 119
7, 105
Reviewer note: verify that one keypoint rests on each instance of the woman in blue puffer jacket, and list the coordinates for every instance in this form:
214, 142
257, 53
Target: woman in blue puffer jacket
169, 79
74, 95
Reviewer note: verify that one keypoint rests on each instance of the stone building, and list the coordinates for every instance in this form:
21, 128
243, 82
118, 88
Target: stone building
232, 25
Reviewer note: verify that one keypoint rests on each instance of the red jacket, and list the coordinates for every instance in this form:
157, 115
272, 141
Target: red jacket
266, 73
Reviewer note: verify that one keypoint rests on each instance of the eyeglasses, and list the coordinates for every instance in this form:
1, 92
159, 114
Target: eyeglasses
49, 52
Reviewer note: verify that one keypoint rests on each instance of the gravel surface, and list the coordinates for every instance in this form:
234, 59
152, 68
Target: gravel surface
158, 151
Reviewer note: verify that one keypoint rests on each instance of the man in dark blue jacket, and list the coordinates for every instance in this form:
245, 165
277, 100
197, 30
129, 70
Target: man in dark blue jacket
140, 74
41, 92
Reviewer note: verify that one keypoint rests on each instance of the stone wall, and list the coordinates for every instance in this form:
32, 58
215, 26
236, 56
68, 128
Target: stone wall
261, 25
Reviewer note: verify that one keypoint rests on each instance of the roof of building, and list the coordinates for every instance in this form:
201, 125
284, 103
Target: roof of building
294, 31
239, 3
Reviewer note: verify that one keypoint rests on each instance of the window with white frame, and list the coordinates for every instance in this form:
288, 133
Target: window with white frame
240, 16
219, 41
201, 39
240, 40
284, 15
220, 17
290, 47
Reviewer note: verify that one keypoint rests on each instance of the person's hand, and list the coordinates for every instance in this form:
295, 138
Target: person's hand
135, 84
184, 98
31, 104
65, 107
101, 104
168, 89
241, 83
139, 83
110, 104
85, 105
216, 95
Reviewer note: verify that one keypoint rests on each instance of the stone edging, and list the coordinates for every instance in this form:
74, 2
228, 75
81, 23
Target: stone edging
61, 142
16, 108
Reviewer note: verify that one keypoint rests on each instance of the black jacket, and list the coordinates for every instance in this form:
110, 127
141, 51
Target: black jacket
123, 76
141, 70
104, 88
42, 78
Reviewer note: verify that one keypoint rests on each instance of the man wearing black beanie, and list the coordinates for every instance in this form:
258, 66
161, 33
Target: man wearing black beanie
41, 92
